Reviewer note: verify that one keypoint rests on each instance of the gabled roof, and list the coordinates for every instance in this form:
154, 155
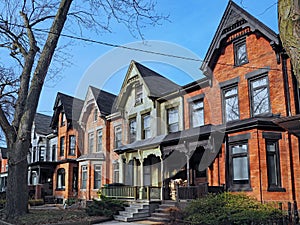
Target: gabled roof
234, 19
158, 85
42, 124
104, 100
72, 108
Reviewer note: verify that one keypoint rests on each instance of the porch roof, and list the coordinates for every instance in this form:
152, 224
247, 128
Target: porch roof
92, 156
290, 124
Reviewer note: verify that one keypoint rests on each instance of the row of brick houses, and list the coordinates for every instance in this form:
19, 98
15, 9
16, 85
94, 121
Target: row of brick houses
237, 128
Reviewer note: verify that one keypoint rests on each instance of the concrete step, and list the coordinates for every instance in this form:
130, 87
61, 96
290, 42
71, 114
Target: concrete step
160, 214
134, 215
158, 219
135, 210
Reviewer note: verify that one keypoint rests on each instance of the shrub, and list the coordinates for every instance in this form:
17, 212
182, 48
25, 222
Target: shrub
105, 207
228, 208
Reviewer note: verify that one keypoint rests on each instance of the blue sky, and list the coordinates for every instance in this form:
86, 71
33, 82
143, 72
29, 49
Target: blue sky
188, 34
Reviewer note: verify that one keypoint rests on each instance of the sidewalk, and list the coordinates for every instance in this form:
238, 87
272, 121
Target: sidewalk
130, 223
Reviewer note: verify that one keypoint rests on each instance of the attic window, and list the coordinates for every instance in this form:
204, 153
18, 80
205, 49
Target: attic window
240, 53
62, 119
138, 94
95, 114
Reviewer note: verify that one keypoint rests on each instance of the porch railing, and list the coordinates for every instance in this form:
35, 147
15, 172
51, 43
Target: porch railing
132, 192
191, 192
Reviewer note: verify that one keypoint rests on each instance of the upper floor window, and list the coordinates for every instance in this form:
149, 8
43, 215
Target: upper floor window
118, 136
132, 130
95, 114
62, 119
83, 177
99, 140
91, 142
197, 113
97, 176
260, 98
173, 119
138, 94
240, 53
231, 104
62, 146
146, 126
53, 152
42, 152
72, 144
239, 161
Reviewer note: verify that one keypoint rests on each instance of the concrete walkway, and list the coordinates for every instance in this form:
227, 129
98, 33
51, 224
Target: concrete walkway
129, 223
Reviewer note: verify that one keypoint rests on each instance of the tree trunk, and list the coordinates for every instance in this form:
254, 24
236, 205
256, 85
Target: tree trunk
289, 30
19, 141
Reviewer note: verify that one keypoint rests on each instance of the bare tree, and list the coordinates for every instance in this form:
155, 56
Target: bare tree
289, 30
30, 31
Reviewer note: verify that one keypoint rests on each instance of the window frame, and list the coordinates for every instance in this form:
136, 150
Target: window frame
171, 124
146, 131
193, 111
62, 146
63, 119
138, 94
84, 170
251, 90
99, 140
224, 98
116, 171
132, 135
236, 46
61, 179
91, 139
72, 145
97, 179
118, 136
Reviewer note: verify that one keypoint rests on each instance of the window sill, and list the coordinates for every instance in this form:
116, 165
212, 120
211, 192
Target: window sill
276, 189
60, 189
240, 189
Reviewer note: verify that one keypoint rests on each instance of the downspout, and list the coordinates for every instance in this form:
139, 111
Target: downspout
259, 165
286, 85
292, 167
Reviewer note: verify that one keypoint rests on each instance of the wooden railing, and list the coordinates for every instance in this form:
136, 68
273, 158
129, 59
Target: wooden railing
191, 192
132, 192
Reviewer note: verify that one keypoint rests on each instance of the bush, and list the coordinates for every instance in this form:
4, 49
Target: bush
105, 207
228, 208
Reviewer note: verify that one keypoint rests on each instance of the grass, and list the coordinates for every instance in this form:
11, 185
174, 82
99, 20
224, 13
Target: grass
52, 216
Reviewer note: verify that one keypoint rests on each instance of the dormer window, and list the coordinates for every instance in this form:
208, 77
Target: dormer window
240, 53
138, 94
62, 119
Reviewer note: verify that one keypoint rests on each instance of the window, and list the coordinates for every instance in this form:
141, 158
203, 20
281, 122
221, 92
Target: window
260, 99
273, 164
173, 120
240, 53
118, 136
41, 153
62, 119
99, 140
146, 126
72, 144
60, 178
132, 130
197, 113
53, 152
95, 114
138, 94
240, 175
34, 155
62, 146
116, 172
83, 177
90, 142
97, 176
231, 104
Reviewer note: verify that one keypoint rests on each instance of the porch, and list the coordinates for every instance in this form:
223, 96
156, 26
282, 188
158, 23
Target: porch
151, 193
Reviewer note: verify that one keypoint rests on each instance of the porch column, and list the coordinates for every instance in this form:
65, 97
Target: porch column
188, 169
121, 170
162, 175
141, 191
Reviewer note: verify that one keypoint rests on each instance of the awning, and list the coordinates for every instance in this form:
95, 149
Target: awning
290, 124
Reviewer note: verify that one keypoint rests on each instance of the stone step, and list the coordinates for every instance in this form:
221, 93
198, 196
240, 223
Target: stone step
135, 210
134, 215
158, 219
160, 214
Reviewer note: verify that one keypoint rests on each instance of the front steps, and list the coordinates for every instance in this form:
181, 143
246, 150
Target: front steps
161, 214
136, 211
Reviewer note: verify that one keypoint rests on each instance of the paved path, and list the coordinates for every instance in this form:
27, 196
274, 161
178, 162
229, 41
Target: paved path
127, 223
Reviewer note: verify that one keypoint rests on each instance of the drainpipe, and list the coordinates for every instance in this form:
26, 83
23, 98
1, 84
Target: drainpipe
292, 167
286, 85
259, 167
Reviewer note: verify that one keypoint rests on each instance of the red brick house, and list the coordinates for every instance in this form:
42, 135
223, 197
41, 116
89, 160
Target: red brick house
95, 161
64, 122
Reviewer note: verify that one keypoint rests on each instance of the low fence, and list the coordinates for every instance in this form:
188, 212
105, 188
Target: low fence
132, 192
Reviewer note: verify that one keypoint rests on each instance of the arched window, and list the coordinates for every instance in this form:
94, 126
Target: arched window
61, 178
